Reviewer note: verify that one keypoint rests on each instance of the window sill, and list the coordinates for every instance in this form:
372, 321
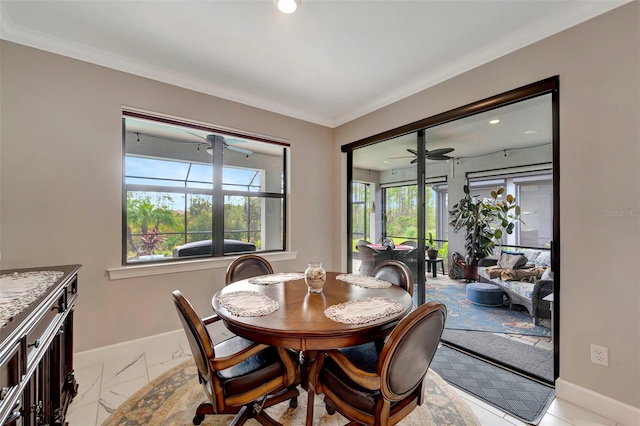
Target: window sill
135, 271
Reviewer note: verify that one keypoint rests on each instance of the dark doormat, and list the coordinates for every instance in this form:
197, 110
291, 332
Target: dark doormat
521, 397
517, 356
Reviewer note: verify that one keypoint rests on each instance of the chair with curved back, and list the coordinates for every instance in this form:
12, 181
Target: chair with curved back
238, 376
247, 266
410, 243
396, 273
380, 389
370, 258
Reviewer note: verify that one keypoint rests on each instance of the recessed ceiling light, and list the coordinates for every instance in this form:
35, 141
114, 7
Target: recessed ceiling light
494, 121
530, 132
386, 162
287, 6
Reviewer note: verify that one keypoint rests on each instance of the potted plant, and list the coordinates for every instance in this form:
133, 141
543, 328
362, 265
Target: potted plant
484, 222
432, 250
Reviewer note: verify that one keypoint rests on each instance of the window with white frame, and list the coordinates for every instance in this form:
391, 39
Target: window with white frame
192, 190
534, 194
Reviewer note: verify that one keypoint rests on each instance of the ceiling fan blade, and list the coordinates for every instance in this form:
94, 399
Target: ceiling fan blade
439, 152
413, 151
404, 156
233, 141
438, 157
415, 160
201, 137
244, 151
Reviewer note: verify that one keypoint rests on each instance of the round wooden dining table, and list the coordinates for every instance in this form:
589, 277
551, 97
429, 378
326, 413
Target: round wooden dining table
300, 324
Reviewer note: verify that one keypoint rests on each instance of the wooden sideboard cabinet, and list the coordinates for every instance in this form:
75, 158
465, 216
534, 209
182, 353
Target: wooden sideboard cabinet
36, 344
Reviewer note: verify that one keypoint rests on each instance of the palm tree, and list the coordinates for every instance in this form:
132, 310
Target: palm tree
144, 214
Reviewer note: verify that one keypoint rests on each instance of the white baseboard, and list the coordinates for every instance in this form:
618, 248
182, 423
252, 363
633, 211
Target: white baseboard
603, 405
106, 353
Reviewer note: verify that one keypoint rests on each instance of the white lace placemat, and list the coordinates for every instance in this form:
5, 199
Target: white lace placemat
364, 281
276, 278
363, 311
20, 289
247, 303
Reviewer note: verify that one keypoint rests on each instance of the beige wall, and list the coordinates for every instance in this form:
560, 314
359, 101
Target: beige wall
61, 186
599, 67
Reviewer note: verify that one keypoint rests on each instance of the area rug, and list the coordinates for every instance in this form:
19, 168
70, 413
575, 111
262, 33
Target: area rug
172, 399
464, 315
523, 398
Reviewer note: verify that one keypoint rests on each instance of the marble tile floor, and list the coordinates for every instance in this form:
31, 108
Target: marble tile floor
106, 381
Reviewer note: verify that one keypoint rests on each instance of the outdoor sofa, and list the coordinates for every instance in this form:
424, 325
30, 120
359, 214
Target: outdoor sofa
527, 294
203, 248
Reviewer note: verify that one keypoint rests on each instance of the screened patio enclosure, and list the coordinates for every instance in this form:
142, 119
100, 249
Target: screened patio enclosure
403, 183
385, 195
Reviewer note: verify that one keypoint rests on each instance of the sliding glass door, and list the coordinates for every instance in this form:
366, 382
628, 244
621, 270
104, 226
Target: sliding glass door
419, 172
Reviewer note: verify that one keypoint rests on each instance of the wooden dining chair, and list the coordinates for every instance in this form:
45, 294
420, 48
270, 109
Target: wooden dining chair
380, 389
238, 376
396, 273
247, 266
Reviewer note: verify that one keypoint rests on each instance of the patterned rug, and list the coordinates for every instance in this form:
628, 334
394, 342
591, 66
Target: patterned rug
464, 315
172, 399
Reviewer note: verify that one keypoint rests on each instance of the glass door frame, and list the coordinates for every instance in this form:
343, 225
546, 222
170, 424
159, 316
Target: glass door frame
547, 86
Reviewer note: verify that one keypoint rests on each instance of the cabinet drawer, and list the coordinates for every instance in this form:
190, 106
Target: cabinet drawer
38, 335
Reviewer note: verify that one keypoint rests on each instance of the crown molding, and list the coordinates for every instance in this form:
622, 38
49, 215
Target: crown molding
74, 50
527, 35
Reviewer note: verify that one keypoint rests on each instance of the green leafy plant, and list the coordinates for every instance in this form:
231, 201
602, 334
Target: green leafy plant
431, 240
484, 221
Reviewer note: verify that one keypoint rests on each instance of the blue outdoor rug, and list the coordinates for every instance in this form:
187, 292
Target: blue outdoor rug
464, 315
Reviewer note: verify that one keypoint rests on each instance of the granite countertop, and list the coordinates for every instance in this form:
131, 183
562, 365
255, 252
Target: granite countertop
18, 290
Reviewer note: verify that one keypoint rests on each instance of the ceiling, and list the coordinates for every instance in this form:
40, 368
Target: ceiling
525, 124
328, 63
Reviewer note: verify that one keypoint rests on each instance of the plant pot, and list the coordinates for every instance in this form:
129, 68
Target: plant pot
432, 253
470, 272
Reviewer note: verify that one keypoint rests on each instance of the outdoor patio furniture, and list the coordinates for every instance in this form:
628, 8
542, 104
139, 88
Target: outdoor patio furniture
484, 294
432, 265
203, 248
530, 295
370, 258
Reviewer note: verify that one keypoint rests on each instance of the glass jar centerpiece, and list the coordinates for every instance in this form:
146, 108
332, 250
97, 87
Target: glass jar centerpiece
315, 276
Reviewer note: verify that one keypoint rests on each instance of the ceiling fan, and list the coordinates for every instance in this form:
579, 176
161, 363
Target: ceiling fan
226, 143
436, 154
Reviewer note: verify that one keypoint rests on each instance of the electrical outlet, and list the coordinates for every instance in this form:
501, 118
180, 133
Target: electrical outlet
600, 355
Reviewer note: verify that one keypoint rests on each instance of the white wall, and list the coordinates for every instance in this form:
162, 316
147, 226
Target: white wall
61, 171
598, 63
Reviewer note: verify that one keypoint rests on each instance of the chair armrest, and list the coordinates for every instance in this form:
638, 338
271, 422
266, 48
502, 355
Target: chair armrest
487, 261
541, 289
210, 320
236, 358
365, 379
